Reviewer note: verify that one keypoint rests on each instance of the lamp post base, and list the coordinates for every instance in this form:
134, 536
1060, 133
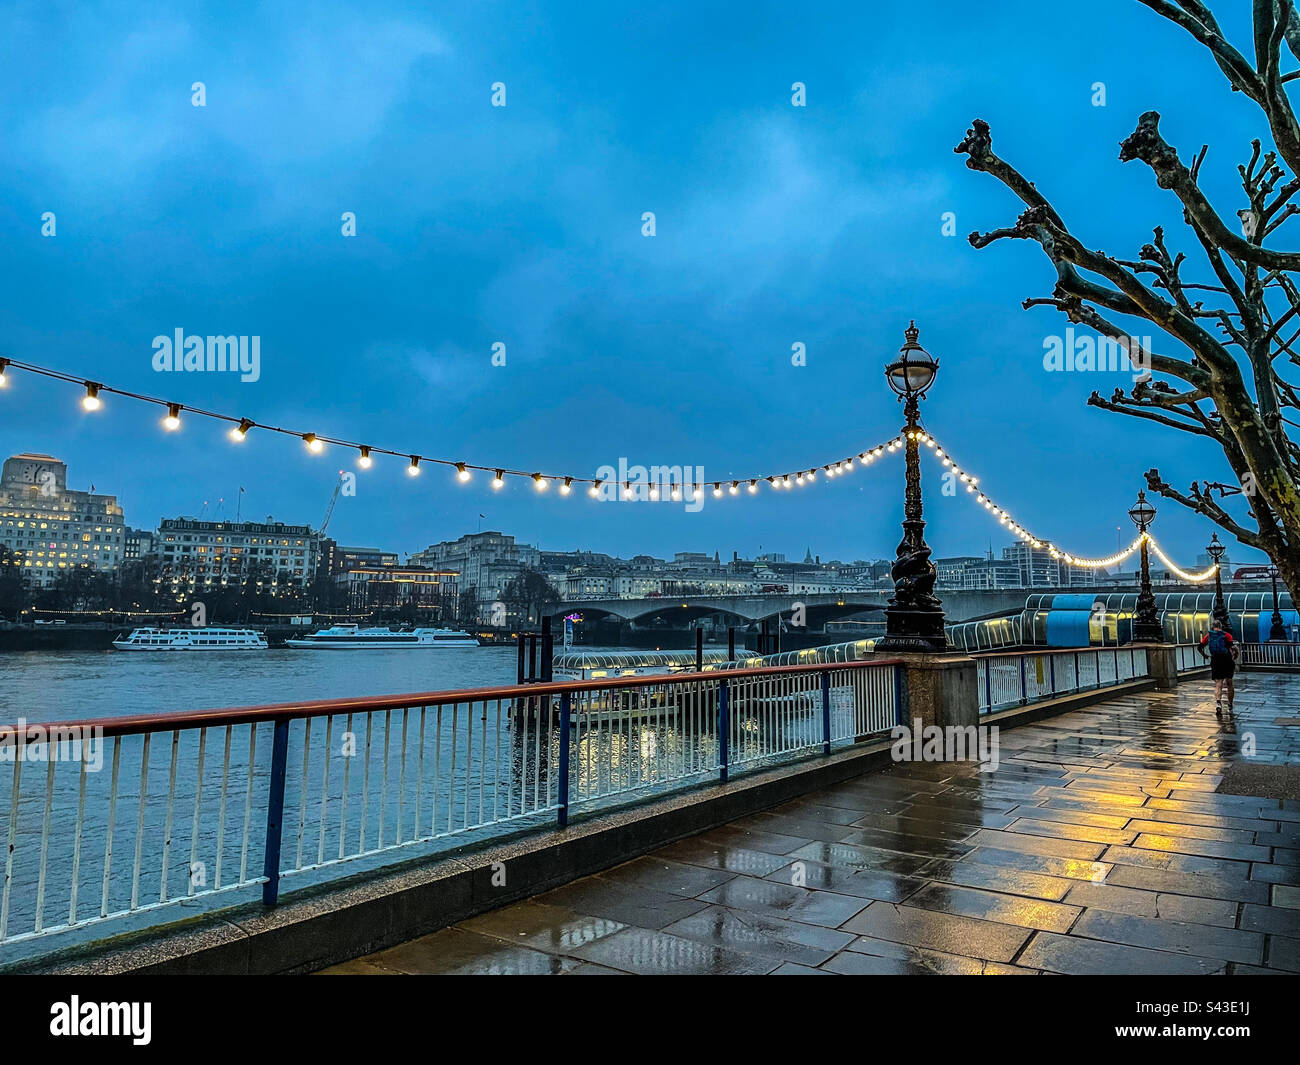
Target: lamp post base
923, 644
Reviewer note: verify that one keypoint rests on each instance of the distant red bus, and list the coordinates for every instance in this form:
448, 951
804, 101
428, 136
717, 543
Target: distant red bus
1251, 573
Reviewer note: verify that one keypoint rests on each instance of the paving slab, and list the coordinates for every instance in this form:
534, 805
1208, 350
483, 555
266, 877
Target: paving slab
1105, 843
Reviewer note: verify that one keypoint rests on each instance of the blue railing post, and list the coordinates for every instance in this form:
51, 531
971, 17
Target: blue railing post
826, 713
566, 711
275, 812
1051, 672
1024, 691
724, 728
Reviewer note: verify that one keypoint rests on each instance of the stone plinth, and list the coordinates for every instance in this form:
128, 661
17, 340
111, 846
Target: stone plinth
1162, 662
939, 689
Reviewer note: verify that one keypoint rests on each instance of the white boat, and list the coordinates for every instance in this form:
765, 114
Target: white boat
355, 638
195, 639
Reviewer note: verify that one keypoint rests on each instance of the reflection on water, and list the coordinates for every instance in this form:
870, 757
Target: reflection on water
174, 815
62, 685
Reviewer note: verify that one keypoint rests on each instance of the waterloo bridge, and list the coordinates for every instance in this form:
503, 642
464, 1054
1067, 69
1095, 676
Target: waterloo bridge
960, 605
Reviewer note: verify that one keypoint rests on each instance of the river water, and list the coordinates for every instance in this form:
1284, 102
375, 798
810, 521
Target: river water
163, 820
67, 685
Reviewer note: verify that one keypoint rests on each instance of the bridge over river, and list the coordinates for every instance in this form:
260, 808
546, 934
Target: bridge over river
959, 605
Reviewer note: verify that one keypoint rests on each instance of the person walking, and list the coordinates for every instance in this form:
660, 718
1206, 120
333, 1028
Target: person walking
1219, 647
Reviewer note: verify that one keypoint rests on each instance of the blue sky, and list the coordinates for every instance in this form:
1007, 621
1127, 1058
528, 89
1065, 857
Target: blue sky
522, 225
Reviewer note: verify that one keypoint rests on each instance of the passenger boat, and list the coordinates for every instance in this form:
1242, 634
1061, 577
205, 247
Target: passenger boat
194, 639
355, 638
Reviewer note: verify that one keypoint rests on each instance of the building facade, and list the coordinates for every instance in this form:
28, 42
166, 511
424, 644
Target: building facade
137, 545
386, 587
51, 528
486, 563
193, 553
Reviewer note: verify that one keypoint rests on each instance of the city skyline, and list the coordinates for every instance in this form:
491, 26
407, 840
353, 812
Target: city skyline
226, 509
51, 470
822, 227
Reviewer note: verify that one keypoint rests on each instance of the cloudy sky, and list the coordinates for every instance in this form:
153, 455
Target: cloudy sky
775, 225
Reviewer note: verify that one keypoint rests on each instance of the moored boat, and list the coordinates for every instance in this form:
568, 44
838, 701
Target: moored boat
193, 639
355, 638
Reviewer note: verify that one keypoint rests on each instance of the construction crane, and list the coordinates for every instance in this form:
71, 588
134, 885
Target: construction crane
334, 498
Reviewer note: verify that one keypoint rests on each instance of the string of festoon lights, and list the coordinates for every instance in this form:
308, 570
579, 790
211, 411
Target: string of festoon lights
94, 392
1005, 519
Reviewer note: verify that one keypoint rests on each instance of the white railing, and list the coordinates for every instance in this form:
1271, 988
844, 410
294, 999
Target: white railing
121, 817
1032, 676
1274, 653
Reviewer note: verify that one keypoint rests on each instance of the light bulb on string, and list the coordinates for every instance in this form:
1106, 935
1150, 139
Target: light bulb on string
239, 427
499, 479
413, 470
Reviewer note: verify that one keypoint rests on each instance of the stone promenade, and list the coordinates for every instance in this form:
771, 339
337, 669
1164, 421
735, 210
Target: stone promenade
1139, 835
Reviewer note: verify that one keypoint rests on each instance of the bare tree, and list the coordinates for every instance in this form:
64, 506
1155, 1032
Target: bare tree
1235, 326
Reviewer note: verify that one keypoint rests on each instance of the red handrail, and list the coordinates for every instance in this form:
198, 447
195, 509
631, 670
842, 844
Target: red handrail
241, 715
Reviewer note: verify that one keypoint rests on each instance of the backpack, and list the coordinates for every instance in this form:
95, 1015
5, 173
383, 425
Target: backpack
1218, 642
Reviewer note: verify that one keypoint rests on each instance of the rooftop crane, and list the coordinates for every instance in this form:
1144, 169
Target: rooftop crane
334, 498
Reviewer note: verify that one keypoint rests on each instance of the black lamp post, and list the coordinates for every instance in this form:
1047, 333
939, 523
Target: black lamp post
1146, 624
1276, 631
1215, 550
914, 617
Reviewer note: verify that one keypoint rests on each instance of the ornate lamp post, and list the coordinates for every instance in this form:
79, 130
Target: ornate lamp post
1146, 624
1215, 550
914, 617
1277, 630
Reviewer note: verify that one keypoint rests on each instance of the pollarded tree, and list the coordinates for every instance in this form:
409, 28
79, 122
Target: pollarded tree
1237, 322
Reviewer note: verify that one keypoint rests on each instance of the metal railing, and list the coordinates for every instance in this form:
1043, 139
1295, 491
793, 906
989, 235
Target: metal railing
1008, 680
1190, 657
1273, 653
129, 818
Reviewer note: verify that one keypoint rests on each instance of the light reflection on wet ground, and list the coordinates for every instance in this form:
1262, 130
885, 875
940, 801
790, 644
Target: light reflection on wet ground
1099, 845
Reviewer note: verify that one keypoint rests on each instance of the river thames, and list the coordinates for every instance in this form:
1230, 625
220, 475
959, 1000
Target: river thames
45, 686
183, 811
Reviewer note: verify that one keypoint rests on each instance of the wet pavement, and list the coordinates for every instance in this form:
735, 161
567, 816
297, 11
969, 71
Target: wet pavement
1099, 845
